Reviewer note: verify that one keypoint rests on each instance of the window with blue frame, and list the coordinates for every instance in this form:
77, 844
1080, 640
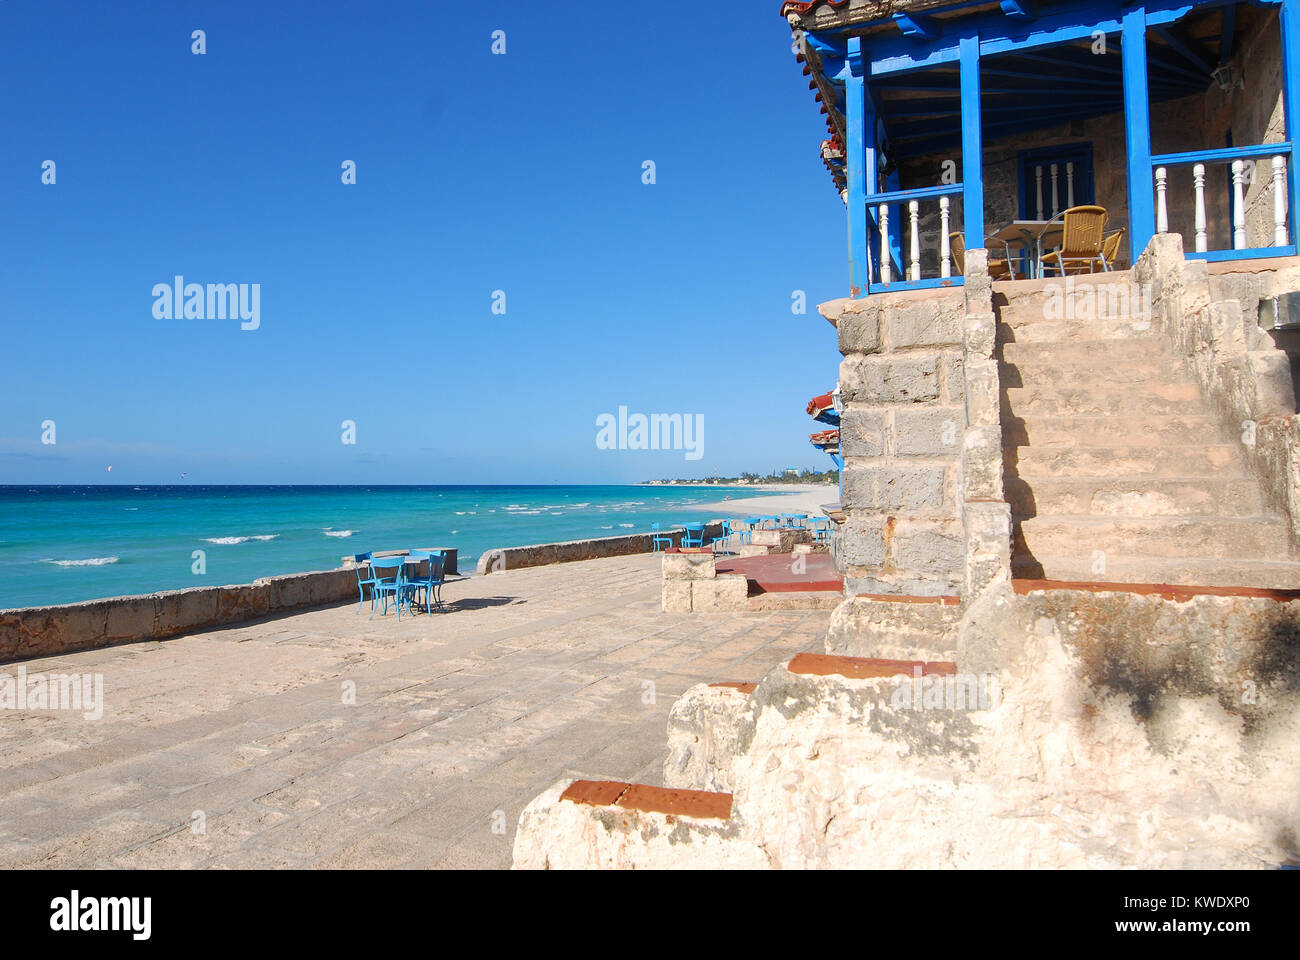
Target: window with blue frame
1053, 179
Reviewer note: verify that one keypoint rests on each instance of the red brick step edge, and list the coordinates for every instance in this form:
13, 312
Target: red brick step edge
701, 804
865, 668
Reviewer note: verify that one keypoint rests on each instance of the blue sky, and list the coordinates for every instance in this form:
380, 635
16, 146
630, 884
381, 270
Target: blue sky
475, 173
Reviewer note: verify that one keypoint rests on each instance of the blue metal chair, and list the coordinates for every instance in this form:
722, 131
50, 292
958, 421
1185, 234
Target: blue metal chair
659, 540
693, 535
724, 538
390, 581
430, 583
363, 582
751, 524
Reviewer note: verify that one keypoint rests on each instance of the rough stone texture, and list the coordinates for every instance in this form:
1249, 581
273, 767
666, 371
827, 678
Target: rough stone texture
703, 728
460, 718
607, 837
1245, 379
865, 626
1079, 755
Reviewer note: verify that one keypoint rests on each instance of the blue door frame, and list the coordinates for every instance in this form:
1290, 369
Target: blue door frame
965, 40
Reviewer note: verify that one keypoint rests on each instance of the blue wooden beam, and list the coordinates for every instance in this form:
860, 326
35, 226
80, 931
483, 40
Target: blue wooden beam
860, 154
1289, 18
1229, 29
915, 25
1020, 9
972, 144
1137, 127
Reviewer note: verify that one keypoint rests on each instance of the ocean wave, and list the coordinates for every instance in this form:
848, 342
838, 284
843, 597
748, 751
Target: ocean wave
339, 533
229, 541
627, 524
90, 562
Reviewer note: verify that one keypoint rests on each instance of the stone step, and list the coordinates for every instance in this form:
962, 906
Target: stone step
1127, 497
1044, 431
1091, 352
1256, 538
1187, 460
1158, 399
1099, 372
1024, 328
1187, 571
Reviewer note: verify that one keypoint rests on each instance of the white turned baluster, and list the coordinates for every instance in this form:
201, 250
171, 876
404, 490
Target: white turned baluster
884, 243
1198, 184
1069, 184
1238, 205
913, 214
1056, 204
1038, 176
1162, 208
945, 251
1279, 202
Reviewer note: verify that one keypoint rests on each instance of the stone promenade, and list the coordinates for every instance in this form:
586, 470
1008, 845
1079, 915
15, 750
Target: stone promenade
324, 739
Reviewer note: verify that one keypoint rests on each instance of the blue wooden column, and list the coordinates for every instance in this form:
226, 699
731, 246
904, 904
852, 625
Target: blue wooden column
972, 144
1289, 18
1137, 131
860, 166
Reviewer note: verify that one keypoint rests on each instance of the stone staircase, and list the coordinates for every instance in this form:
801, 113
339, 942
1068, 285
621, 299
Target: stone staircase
1116, 468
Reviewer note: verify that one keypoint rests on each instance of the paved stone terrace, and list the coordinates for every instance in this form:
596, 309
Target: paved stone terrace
460, 719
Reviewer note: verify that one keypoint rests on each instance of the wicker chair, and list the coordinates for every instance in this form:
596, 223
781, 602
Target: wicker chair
1081, 239
1110, 248
998, 269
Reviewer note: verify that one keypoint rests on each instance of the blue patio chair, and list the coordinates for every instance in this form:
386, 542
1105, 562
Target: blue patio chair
390, 581
430, 583
751, 524
659, 540
771, 522
363, 582
693, 535
723, 538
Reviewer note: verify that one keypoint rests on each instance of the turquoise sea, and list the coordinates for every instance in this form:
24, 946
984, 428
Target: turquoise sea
66, 543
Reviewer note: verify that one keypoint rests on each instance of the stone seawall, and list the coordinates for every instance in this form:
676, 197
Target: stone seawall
539, 554
27, 632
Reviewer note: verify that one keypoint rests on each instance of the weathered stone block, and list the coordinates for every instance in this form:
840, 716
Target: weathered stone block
982, 464
926, 323
930, 554
689, 566
890, 378
703, 734
725, 593
859, 331
859, 543
181, 610
979, 334
863, 431
677, 596
983, 393
892, 488
928, 431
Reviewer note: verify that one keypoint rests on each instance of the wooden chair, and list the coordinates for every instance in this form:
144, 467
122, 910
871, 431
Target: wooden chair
1081, 236
998, 269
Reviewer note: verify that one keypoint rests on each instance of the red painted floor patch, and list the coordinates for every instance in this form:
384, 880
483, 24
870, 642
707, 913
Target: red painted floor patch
786, 572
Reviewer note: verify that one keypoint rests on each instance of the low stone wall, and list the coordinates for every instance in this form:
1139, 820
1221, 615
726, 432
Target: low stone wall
540, 554
46, 631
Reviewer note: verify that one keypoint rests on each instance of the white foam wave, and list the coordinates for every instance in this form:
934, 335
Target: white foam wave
339, 533
89, 562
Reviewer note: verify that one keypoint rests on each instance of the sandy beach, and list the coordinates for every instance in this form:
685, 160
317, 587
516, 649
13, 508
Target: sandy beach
780, 498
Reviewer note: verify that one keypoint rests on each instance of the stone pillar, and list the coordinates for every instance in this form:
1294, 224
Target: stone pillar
901, 436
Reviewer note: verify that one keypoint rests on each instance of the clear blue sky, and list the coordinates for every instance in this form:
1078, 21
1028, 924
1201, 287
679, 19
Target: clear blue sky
475, 173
